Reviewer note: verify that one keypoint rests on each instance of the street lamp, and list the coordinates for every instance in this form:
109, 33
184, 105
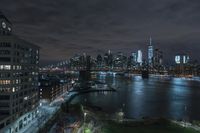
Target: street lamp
84, 121
85, 116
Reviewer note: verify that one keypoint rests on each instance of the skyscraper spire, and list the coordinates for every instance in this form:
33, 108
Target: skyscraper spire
150, 41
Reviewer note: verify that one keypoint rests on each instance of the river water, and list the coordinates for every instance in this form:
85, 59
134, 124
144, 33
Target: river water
173, 98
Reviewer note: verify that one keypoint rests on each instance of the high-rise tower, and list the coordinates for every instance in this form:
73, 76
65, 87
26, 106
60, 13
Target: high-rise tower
150, 52
139, 57
18, 79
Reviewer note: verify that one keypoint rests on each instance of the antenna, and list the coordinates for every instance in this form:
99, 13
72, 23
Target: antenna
150, 41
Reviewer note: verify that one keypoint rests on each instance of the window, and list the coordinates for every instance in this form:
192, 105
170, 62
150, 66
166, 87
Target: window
5, 89
4, 75
5, 67
4, 104
5, 82
4, 97
18, 67
17, 81
4, 52
5, 59
178, 59
13, 90
5, 44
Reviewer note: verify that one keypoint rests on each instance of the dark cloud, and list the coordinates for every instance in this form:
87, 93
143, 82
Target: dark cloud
65, 27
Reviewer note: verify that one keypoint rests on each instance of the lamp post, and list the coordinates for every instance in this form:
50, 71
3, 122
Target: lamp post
185, 123
85, 116
84, 121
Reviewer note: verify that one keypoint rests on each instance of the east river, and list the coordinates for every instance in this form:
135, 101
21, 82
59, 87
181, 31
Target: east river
169, 97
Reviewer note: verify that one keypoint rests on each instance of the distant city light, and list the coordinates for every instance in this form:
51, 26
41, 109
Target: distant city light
178, 59
139, 56
182, 59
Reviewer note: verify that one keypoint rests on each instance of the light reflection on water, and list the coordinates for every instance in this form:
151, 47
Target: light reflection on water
154, 97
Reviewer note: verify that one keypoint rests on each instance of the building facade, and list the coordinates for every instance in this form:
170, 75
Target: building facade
51, 87
183, 65
19, 62
182, 59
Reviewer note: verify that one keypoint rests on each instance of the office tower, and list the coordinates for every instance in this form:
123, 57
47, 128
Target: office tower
139, 57
99, 61
108, 59
75, 62
182, 65
186, 59
178, 59
182, 59
120, 60
150, 52
158, 58
134, 57
105, 58
18, 79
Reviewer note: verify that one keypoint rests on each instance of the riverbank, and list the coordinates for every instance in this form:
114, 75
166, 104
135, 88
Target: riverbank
96, 121
77, 119
147, 126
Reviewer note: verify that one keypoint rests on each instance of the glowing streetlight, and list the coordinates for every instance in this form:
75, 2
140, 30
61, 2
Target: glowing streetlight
85, 116
84, 120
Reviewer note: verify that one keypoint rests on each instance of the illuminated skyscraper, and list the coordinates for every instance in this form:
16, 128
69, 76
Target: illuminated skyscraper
139, 57
134, 57
150, 52
182, 59
178, 59
186, 59
157, 59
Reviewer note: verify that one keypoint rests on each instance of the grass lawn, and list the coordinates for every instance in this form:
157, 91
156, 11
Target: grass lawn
166, 127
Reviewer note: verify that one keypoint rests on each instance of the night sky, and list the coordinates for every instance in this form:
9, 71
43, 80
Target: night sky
63, 28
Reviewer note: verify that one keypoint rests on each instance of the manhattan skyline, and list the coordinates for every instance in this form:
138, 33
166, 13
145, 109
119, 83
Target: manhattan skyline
98, 66
64, 28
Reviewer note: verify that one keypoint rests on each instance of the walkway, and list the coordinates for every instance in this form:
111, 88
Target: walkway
46, 112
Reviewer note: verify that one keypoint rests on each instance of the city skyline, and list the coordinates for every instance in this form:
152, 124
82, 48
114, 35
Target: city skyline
116, 89
96, 26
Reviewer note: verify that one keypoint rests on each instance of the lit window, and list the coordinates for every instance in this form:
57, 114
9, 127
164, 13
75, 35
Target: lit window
13, 90
25, 98
5, 67
4, 82
178, 59
4, 89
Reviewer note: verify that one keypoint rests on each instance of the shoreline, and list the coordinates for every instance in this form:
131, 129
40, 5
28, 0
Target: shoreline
142, 121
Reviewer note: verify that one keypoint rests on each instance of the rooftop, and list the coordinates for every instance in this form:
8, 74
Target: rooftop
4, 17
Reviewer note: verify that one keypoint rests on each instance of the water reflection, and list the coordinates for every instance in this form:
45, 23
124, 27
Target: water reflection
155, 97
179, 97
135, 98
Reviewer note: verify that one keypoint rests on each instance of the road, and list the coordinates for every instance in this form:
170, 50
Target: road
46, 111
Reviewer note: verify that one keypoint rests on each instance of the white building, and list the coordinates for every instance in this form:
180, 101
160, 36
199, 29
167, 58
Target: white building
139, 57
182, 59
